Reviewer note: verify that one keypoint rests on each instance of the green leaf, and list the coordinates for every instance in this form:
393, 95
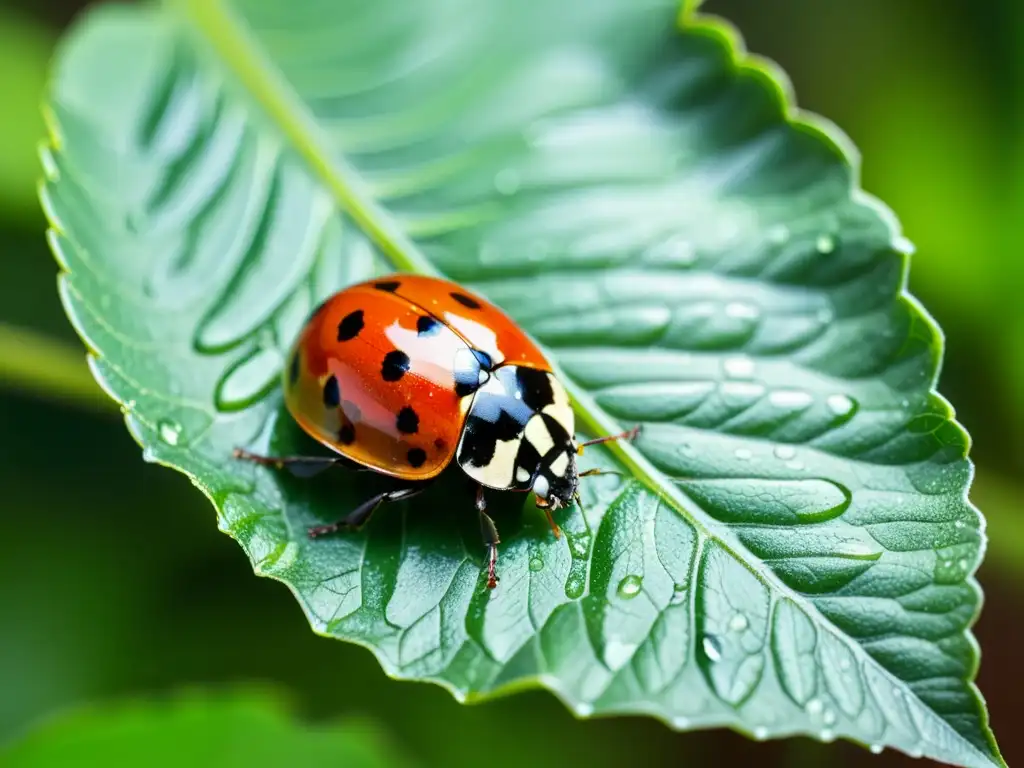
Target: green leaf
247, 728
790, 549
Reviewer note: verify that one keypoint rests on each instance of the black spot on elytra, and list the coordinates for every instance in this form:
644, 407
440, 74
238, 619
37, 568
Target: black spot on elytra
293, 369
387, 285
347, 434
395, 365
428, 326
332, 393
408, 421
440, 443
465, 300
536, 388
416, 456
350, 326
463, 388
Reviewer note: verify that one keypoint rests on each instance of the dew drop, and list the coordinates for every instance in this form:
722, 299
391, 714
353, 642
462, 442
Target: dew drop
760, 733
682, 723
825, 244
828, 717
841, 405
712, 647
962, 564
814, 707
574, 587
579, 546
584, 710
738, 622
796, 465
844, 664
629, 587
536, 563
170, 432
876, 749
959, 524
785, 452
827, 735
506, 181
744, 454
824, 315
739, 367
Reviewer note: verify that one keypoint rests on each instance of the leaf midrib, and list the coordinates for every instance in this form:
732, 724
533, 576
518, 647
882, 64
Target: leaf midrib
240, 53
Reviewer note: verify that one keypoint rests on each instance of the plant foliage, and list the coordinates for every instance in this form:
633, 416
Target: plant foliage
790, 549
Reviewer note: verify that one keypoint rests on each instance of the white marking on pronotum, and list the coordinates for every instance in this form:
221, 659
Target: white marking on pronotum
522, 475
538, 436
559, 465
560, 409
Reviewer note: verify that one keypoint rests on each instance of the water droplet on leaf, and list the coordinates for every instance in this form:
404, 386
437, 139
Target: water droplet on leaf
841, 405
825, 244
785, 452
574, 587
629, 587
738, 623
712, 647
536, 563
170, 432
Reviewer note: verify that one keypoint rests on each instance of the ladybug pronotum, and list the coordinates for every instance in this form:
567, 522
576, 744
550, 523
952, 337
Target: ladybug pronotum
404, 373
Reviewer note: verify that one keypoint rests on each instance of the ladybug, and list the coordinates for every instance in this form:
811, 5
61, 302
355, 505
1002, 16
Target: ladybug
402, 374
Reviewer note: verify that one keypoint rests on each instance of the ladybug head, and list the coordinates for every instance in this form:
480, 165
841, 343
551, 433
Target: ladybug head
557, 479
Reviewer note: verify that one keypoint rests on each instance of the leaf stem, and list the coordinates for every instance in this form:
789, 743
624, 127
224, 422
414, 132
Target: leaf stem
234, 44
34, 363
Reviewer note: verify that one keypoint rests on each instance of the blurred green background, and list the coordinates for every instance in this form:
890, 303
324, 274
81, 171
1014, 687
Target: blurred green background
115, 582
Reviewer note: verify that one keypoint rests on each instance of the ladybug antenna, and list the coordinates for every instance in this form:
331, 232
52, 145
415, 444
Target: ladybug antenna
595, 472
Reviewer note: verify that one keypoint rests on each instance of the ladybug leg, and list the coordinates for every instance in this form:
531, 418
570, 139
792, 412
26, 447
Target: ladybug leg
300, 466
629, 434
358, 516
551, 521
490, 533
